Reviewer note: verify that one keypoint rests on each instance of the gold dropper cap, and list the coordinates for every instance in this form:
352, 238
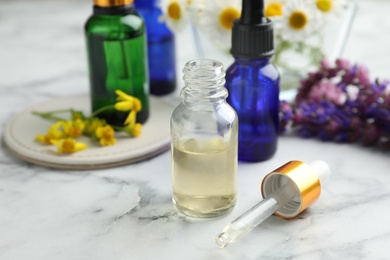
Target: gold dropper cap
111, 3
306, 185
287, 191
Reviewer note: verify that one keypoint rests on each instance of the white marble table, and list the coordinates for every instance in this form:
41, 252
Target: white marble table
126, 212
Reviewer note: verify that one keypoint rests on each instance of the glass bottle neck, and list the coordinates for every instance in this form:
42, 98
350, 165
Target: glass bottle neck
250, 62
146, 3
113, 10
204, 82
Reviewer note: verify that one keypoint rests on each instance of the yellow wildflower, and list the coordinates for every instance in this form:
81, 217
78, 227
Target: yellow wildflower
68, 145
54, 133
130, 120
137, 129
77, 115
92, 124
127, 102
134, 104
105, 134
74, 128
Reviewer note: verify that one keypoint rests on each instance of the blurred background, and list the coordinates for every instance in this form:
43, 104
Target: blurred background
42, 45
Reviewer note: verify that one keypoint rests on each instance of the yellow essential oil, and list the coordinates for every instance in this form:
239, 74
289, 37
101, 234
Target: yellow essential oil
204, 176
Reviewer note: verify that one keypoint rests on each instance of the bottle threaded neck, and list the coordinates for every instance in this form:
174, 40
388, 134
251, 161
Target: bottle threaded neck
112, 3
204, 81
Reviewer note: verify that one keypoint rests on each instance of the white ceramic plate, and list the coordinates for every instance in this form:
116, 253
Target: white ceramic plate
20, 133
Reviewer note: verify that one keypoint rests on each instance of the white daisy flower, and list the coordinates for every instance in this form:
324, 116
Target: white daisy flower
330, 9
300, 20
195, 8
216, 20
175, 14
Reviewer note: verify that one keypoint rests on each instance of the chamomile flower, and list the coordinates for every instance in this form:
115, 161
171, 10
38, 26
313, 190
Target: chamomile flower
273, 8
300, 20
175, 14
330, 9
216, 20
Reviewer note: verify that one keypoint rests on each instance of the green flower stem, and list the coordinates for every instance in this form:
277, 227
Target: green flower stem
123, 129
50, 116
102, 109
118, 128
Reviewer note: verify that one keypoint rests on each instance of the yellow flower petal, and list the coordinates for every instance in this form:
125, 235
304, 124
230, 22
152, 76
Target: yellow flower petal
42, 139
137, 105
106, 142
56, 126
92, 124
68, 145
122, 96
54, 133
105, 134
130, 120
124, 105
80, 146
74, 128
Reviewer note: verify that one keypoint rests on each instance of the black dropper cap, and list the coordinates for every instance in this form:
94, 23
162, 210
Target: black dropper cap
252, 34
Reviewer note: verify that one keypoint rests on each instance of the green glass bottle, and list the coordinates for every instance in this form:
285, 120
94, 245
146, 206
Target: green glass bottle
117, 57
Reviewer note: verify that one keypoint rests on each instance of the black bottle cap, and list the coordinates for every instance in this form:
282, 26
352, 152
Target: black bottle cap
252, 34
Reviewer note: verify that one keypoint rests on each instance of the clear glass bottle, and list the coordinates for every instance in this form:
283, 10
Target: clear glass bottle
204, 132
253, 83
117, 57
161, 48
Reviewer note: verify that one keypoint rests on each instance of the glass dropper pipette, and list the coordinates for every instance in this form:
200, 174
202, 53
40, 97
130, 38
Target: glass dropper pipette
287, 191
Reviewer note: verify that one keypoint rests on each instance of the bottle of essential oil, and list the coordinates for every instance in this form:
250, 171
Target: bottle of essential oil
161, 48
204, 131
117, 56
253, 83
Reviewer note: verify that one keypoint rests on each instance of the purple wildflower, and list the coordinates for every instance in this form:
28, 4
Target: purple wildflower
363, 75
286, 113
340, 103
326, 90
343, 64
371, 134
325, 64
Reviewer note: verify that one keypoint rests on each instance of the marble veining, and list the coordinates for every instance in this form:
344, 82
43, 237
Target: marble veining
126, 212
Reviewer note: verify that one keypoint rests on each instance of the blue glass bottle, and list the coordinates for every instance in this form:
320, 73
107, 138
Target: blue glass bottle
161, 49
253, 84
